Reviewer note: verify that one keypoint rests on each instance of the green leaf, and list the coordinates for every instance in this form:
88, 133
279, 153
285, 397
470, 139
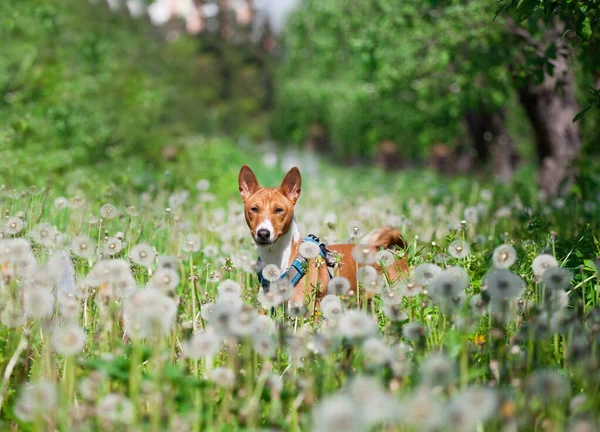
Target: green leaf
581, 113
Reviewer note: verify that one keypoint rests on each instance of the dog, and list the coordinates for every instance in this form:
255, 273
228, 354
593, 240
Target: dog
269, 213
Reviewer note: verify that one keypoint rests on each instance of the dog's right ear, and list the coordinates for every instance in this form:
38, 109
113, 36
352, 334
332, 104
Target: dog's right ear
247, 182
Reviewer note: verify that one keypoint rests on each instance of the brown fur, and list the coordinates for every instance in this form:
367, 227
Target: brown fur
260, 203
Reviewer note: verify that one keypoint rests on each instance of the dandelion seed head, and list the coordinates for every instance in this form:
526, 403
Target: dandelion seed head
447, 285
13, 225
112, 246
364, 254
437, 370
108, 211
337, 413
115, 408
36, 399
202, 344
503, 285
265, 345
271, 272
356, 324
394, 312
355, 229
385, 258
142, 254
309, 250
504, 256
83, 246
191, 243
376, 352
69, 341
229, 286
167, 262
331, 307
414, 331
223, 377
61, 203
459, 249
424, 274
164, 280
338, 285
548, 385
556, 278
39, 303
542, 262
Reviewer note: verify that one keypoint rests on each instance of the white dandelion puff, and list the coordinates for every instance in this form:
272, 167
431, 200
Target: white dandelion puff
542, 262
424, 274
142, 254
503, 285
338, 285
356, 324
271, 272
69, 341
115, 408
556, 278
108, 211
504, 256
309, 250
459, 249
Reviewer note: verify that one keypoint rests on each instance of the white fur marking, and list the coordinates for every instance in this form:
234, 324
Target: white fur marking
266, 224
280, 252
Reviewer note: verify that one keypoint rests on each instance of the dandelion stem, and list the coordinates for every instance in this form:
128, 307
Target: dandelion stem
9, 369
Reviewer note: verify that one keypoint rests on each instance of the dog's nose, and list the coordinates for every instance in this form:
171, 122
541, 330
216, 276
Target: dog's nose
263, 234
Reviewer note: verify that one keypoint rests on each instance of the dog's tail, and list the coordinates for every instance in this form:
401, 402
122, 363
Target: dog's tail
385, 237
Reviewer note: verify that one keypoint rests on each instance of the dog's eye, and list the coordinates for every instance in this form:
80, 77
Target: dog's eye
254, 209
278, 210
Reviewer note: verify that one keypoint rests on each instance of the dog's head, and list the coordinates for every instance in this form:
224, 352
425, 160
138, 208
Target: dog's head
269, 211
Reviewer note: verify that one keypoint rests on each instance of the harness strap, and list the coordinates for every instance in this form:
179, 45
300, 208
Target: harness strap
298, 268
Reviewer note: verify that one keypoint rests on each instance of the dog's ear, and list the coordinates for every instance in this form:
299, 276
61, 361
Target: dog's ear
291, 185
247, 182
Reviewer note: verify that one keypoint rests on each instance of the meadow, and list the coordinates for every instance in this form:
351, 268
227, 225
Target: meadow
130, 302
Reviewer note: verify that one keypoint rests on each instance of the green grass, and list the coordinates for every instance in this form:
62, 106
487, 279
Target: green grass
538, 360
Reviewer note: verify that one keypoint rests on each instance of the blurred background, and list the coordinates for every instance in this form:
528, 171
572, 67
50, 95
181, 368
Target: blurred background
116, 92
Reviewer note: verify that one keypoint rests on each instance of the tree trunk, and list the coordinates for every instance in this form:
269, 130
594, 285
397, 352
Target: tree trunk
492, 142
551, 106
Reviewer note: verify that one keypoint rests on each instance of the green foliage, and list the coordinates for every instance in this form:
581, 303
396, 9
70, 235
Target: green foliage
387, 70
81, 85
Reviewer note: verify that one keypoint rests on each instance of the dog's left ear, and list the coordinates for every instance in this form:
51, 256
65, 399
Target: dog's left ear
291, 185
247, 182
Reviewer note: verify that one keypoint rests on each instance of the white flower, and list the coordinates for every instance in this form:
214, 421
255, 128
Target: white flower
356, 324
115, 408
338, 285
13, 225
271, 272
459, 249
309, 250
108, 211
447, 284
355, 229
39, 303
542, 262
36, 399
83, 246
556, 278
265, 345
142, 254
229, 286
385, 258
504, 256
202, 344
364, 254
69, 341
264, 324
337, 413
376, 351
331, 307
369, 279
503, 285
425, 273
437, 370
223, 377
148, 313
164, 280
112, 246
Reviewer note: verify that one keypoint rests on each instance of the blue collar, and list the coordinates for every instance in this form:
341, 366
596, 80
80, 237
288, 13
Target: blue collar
298, 267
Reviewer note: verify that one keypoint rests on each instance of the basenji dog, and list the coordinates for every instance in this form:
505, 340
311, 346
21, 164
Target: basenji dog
269, 213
